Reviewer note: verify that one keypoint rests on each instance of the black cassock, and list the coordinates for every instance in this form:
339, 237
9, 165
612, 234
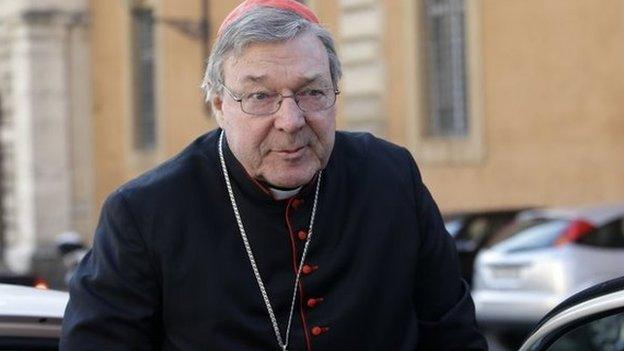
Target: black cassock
168, 269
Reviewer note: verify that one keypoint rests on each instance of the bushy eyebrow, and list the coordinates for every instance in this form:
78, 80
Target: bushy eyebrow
262, 79
254, 79
312, 79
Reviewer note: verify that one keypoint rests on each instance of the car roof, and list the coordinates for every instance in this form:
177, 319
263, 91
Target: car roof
595, 214
452, 215
22, 301
494, 210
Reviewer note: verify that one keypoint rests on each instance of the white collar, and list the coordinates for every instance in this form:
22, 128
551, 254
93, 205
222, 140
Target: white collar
279, 194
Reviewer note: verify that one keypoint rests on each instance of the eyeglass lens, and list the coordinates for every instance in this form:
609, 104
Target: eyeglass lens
309, 100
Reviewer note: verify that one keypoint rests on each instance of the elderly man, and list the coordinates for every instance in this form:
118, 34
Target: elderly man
273, 232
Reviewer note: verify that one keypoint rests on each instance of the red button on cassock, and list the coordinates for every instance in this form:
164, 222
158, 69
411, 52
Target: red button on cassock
307, 269
316, 331
313, 302
302, 234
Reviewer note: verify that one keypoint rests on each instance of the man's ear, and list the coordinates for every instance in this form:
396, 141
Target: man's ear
217, 109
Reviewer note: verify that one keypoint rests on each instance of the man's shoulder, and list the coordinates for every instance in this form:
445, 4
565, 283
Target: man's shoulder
367, 163
180, 171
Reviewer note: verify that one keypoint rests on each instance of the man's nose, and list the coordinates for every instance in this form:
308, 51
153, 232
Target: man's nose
289, 117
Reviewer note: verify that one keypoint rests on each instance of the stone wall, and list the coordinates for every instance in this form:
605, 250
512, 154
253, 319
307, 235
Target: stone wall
45, 133
360, 38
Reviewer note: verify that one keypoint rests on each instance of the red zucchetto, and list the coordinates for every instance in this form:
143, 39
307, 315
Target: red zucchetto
290, 5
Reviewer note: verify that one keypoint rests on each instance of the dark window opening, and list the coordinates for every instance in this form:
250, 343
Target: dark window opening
446, 68
144, 87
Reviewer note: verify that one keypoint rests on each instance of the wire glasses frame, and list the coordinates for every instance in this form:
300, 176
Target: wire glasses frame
262, 103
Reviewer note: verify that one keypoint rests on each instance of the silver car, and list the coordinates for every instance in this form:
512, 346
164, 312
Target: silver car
30, 319
543, 258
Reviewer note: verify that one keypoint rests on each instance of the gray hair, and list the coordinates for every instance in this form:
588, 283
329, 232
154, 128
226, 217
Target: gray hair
262, 25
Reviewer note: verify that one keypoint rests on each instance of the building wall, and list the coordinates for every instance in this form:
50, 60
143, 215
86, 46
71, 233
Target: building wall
553, 86
546, 101
45, 130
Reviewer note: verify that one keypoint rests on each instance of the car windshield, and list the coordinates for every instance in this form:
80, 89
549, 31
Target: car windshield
529, 234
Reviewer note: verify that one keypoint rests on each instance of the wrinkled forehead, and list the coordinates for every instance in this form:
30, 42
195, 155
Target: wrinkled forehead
300, 60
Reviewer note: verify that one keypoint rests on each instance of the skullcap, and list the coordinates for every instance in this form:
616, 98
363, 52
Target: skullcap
246, 6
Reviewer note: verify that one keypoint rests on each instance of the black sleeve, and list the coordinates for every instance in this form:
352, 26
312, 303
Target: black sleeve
445, 308
114, 294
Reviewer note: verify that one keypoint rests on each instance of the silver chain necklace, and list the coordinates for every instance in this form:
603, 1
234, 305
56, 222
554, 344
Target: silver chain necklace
282, 342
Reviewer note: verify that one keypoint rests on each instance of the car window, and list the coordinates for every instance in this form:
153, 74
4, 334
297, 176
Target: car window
604, 334
489, 226
479, 228
531, 234
507, 232
610, 235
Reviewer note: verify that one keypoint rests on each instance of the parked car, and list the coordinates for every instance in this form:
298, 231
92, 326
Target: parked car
592, 320
30, 319
543, 258
472, 230
24, 279
9, 277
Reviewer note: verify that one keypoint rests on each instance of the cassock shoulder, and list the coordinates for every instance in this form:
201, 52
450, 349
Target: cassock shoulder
367, 155
182, 175
365, 147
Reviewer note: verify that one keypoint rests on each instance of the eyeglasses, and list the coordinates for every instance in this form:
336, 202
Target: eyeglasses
263, 103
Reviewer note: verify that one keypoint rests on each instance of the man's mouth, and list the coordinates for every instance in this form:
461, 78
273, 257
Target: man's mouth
290, 151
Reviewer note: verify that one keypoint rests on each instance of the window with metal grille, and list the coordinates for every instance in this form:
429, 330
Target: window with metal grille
144, 94
446, 68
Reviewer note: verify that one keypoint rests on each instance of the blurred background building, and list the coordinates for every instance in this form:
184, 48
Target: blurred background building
46, 176
503, 103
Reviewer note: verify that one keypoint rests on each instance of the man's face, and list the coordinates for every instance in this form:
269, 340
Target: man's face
287, 147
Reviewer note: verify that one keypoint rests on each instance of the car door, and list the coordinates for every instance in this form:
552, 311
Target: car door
592, 320
28, 344
21, 333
